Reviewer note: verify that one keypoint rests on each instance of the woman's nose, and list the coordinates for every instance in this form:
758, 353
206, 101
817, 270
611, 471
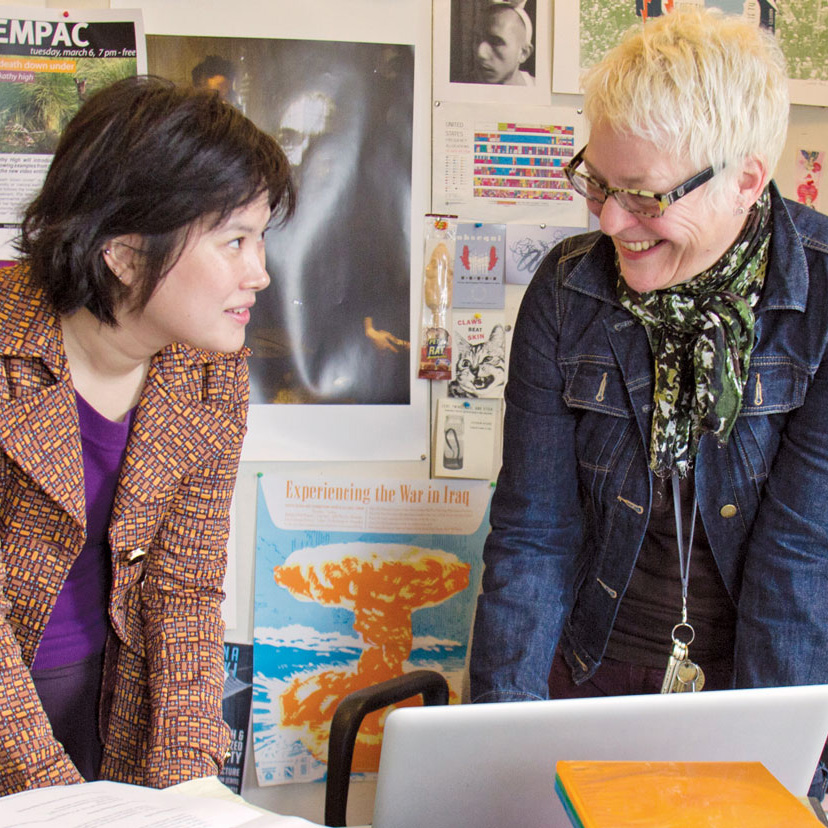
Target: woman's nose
614, 218
258, 277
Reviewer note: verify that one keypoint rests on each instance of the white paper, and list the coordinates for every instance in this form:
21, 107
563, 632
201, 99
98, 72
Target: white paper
331, 432
474, 145
115, 805
7, 236
467, 438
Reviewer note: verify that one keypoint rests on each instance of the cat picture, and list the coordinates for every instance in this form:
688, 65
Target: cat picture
480, 368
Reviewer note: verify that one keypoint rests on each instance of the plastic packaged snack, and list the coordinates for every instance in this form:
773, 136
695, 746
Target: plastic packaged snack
435, 335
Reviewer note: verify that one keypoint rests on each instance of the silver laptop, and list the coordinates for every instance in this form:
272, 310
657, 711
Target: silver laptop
493, 765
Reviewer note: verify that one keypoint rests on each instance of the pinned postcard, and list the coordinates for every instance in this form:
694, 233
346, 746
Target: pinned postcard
478, 265
480, 354
527, 245
467, 437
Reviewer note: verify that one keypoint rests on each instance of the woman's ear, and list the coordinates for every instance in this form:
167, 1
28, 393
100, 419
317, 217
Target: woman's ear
752, 180
121, 257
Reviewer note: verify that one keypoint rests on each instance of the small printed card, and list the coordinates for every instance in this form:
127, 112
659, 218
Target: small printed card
479, 266
467, 437
481, 355
527, 245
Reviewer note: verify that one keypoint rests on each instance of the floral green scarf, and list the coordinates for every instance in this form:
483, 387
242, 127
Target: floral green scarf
701, 335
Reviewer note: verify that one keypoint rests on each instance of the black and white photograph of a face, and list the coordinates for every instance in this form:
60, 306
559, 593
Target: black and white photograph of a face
493, 42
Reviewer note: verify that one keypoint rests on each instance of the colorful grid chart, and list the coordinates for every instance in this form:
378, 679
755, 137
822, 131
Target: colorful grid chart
520, 162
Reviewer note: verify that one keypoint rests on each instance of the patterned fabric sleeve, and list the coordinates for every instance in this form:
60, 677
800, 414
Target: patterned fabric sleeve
183, 630
30, 756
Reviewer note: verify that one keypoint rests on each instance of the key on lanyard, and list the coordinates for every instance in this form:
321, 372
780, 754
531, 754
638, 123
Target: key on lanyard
682, 675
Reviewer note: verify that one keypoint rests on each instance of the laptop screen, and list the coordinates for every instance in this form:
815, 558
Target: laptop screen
493, 765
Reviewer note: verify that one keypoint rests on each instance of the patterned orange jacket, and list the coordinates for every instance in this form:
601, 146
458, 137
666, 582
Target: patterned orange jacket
160, 719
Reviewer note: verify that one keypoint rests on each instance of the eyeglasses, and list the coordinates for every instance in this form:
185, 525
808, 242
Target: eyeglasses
641, 202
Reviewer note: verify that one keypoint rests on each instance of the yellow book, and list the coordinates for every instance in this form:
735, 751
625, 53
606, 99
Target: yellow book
678, 795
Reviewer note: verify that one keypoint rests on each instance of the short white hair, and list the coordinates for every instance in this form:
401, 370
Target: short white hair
698, 84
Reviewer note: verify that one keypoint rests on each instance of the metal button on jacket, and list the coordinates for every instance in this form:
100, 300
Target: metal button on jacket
728, 510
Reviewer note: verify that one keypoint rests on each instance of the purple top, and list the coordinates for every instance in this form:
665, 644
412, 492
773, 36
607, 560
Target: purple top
78, 624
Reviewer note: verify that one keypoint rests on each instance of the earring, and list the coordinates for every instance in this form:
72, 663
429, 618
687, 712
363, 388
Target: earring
107, 251
739, 211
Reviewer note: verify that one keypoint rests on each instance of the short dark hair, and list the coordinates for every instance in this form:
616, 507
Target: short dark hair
211, 66
144, 157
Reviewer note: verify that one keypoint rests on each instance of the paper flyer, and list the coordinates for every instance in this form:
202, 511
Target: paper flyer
585, 31
357, 581
467, 438
50, 63
506, 163
478, 265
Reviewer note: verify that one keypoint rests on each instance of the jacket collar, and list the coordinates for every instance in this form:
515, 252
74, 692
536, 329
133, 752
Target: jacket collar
174, 434
28, 328
173, 430
786, 285
39, 418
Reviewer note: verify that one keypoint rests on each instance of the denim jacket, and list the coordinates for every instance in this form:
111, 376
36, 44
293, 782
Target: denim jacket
573, 496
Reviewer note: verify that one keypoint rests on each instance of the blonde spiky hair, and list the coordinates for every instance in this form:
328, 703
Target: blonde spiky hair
698, 84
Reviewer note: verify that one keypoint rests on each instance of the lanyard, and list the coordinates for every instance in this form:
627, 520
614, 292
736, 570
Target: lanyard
682, 674
684, 553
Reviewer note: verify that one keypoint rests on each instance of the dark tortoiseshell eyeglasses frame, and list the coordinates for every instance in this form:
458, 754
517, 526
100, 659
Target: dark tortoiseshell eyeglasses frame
580, 181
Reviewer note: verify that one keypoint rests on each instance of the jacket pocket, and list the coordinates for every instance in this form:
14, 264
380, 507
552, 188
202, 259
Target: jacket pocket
595, 389
775, 387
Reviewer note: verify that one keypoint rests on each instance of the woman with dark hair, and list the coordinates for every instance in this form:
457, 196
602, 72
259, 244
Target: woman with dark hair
123, 401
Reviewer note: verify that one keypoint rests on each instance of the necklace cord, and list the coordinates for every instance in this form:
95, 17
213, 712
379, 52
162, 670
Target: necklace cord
684, 559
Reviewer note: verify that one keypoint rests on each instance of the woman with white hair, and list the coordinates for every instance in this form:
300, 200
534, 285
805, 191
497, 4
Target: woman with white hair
659, 522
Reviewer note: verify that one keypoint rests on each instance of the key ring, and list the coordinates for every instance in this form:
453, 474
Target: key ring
678, 640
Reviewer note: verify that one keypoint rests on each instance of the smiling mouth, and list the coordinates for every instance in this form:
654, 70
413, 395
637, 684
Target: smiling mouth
637, 246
